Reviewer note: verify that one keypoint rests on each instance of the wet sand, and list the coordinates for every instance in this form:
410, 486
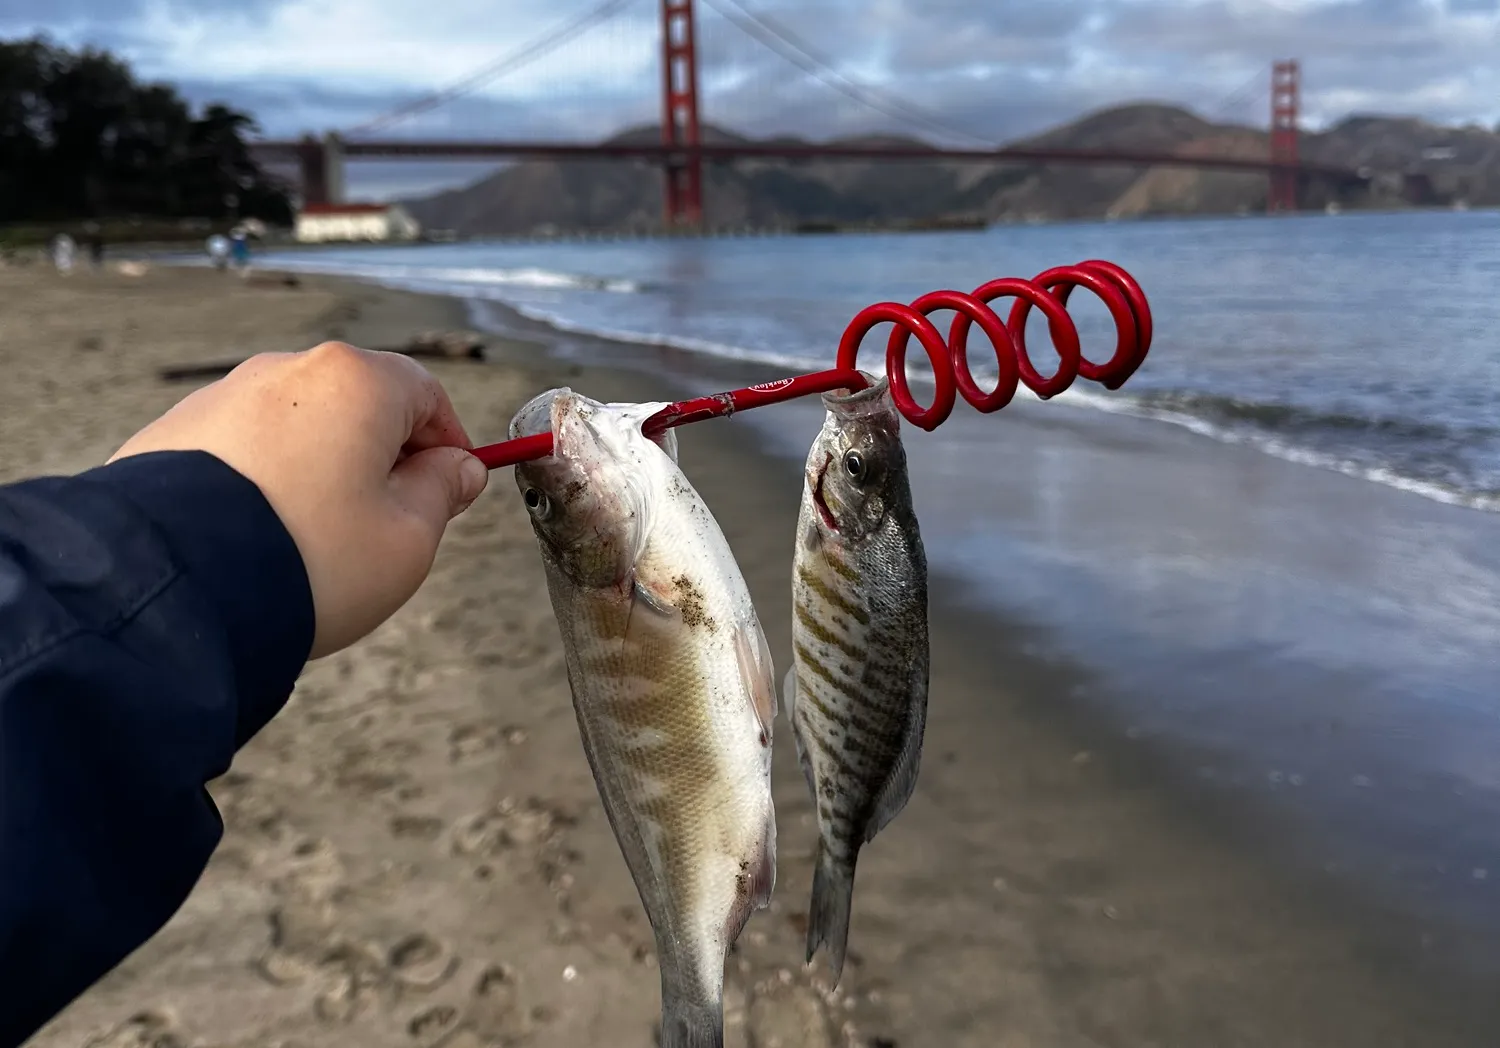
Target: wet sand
415, 853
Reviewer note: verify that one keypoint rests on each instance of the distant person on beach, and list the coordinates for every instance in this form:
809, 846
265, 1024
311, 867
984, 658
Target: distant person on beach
239, 242
63, 250
218, 250
155, 613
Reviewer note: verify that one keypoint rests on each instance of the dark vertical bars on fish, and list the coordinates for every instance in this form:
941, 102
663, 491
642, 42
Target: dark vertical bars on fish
857, 689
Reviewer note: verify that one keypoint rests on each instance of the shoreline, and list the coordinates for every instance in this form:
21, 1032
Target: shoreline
416, 853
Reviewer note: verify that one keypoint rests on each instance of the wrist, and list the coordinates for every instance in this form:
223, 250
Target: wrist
228, 541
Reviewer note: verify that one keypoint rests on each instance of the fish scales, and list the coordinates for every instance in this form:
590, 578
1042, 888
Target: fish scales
671, 681
857, 690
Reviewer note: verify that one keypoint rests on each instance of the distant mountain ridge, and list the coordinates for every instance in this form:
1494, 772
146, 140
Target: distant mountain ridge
1461, 165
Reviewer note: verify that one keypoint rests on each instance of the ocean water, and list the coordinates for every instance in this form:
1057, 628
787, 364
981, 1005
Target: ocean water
1359, 343
1277, 548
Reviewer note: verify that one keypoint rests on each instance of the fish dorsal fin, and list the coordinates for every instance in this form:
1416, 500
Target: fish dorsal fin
756, 670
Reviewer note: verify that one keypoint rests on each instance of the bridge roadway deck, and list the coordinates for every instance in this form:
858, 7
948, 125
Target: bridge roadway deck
657, 153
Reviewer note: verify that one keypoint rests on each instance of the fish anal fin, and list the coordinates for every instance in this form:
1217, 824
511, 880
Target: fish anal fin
758, 673
754, 883
764, 881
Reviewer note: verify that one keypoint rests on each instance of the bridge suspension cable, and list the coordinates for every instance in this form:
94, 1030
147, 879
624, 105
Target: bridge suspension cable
521, 57
1234, 103
789, 47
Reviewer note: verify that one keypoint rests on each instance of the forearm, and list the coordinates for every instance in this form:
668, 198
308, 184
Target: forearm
154, 614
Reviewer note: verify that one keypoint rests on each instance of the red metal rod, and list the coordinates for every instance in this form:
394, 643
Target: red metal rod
522, 449
1049, 292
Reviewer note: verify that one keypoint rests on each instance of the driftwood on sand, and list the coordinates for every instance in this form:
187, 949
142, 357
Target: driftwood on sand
444, 345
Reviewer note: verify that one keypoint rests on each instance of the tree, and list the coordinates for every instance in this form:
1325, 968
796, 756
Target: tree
81, 138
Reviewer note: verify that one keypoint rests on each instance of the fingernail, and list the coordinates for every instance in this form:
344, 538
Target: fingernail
472, 477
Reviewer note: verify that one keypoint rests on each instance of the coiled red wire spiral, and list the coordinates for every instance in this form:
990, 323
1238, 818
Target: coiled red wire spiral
1048, 292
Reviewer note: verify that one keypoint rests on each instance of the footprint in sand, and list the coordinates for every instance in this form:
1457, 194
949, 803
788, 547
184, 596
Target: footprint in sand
472, 740
150, 1029
307, 948
359, 974
311, 868
430, 1025
494, 1010
300, 933
421, 827
422, 963
510, 825
375, 771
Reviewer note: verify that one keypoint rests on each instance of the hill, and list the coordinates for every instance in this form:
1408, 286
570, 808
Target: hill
1461, 164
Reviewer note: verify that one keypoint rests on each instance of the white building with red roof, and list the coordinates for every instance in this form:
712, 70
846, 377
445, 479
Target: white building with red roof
327, 223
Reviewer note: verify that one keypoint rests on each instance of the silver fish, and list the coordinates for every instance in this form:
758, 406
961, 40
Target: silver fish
857, 689
672, 684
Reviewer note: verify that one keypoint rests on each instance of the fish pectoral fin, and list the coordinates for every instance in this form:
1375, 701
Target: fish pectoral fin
660, 604
756, 670
652, 605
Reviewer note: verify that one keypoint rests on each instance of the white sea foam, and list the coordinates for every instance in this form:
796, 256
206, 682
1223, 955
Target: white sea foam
461, 279
1118, 404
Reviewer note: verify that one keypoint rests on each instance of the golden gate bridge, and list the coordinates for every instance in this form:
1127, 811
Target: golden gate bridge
682, 151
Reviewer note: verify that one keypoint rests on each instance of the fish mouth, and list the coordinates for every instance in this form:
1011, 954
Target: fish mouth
817, 495
872, 400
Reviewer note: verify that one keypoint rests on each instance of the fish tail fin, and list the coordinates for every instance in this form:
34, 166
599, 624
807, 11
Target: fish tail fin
691, 1024
828, 915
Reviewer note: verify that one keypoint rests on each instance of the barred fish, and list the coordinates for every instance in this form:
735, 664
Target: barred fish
672, 684
857, 689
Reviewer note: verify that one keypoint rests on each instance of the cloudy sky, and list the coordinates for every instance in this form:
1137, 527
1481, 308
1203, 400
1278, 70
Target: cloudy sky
989, 69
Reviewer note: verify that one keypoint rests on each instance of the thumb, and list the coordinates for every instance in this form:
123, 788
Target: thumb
438, 484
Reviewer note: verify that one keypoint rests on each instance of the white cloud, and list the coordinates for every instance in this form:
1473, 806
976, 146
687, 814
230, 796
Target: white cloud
387, 43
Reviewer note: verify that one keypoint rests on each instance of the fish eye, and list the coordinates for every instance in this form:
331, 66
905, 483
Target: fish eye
537, 502
854, 464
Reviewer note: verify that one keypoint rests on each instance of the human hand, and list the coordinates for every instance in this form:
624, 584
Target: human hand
359, 453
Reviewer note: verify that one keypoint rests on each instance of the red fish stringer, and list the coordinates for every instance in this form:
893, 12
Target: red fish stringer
1049, 292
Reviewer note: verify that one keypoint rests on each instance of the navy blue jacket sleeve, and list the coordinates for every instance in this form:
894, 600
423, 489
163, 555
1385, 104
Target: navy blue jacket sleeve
154, 615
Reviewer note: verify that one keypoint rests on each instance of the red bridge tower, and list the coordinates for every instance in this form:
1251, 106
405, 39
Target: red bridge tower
1286, 89
679, 118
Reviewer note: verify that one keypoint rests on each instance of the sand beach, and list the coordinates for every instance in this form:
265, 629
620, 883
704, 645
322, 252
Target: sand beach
415, 854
